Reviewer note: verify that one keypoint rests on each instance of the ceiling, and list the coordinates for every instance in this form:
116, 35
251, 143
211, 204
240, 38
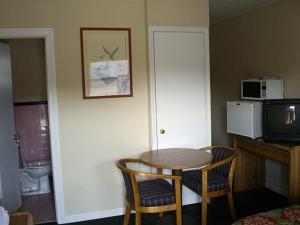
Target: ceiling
224, 9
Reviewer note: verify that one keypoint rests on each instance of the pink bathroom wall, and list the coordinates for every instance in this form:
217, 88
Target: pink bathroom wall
31, 123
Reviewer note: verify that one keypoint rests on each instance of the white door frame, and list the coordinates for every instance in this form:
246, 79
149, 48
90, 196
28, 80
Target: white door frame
48, 35
153, 110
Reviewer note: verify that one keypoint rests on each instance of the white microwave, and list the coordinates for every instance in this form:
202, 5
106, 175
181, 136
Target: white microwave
256, 89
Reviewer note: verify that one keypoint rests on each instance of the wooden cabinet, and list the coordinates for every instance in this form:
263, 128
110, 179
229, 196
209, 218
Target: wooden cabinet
250, 168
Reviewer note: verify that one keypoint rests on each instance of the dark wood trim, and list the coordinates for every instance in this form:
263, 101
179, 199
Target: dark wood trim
82, 61
82, 29
31, 103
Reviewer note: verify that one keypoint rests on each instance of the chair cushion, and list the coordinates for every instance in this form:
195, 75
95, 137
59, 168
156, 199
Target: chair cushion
156, 192
193, 180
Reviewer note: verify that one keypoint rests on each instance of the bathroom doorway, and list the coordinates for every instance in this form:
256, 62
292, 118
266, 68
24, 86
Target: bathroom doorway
47, 35
29, 89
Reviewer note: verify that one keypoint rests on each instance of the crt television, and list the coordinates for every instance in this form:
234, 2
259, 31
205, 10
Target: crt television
281, 120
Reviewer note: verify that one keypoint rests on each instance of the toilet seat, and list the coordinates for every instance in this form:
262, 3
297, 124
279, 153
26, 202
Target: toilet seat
37, 164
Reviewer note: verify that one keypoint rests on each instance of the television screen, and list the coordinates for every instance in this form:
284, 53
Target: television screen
281, 120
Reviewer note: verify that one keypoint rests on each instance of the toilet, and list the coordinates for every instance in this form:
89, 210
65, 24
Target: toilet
34, 178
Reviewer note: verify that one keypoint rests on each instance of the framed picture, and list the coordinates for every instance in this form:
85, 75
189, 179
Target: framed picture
106, 62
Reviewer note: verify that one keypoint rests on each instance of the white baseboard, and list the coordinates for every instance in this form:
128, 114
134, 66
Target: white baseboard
92, 215
191, 199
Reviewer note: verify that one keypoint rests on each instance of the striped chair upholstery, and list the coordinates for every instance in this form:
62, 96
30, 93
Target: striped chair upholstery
128, 184
156, 193
193, 180
219, 154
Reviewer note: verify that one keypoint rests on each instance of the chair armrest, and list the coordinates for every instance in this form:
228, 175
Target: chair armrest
145, 174
152, 175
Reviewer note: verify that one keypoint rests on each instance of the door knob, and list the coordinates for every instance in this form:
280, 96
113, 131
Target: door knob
162, 131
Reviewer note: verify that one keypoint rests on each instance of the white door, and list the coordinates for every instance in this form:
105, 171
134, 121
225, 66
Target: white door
180, 91
10, 195
180, 88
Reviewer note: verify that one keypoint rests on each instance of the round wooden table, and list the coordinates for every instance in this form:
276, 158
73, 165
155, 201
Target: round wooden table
176, 158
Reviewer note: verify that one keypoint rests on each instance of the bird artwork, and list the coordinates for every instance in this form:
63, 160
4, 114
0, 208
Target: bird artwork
110, 54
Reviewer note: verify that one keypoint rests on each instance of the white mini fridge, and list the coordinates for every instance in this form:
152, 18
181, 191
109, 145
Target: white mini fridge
245, 118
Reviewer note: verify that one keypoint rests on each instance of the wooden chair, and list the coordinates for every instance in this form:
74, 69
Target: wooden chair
214, 180
20, 218
154, 195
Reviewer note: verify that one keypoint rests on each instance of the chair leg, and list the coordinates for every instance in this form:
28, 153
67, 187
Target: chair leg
127, 215
138, 218
204, 210
231, 205
178, 197
204, 198
178, 215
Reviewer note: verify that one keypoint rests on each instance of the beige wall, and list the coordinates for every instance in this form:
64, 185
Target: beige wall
190, 13
263, 43
28, 69
94, 133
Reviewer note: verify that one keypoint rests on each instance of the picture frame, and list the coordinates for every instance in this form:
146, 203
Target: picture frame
106, 62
